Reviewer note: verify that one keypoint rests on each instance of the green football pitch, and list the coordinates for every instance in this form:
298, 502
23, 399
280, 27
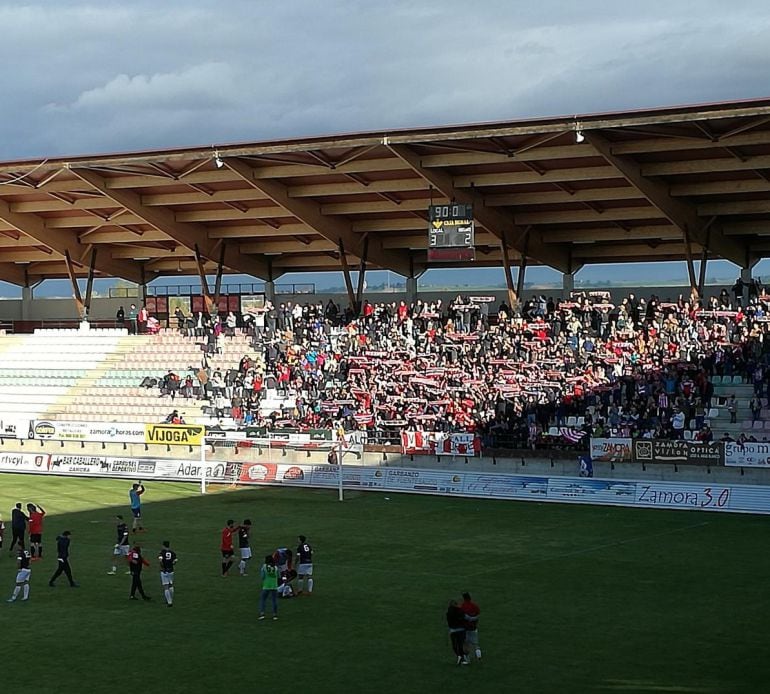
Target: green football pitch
573, 598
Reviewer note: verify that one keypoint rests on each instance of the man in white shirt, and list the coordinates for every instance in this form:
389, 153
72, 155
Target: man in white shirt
677, 421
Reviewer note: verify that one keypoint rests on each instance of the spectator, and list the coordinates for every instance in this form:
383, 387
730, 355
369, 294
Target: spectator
141, 319
132, 319
180, 319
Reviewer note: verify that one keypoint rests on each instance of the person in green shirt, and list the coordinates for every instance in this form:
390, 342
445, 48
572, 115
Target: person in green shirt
269, 573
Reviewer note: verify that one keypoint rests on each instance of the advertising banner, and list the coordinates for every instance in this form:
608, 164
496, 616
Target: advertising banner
287, 436
24, 462
749, 454
106, 432
174, 434
457, 444
644, 494
11, 428
611, 450
134, 468
439, 443
679, 452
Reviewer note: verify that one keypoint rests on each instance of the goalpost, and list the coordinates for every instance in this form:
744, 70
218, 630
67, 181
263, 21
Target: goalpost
274, 460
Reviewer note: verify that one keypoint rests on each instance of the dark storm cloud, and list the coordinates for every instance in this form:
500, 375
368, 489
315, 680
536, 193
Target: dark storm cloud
115, 76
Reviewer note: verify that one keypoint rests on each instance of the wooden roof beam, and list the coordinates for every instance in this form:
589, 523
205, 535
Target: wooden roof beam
333, 228
494, 221
63, 243
14, 274
187, 234
680, 214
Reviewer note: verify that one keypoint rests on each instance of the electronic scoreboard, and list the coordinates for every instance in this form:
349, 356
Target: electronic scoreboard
450, 232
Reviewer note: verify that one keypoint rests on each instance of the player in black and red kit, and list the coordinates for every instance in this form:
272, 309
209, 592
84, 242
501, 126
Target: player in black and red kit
226, 546
136, 563
304, 565
167, 559
243, 545
22, 576
121, 545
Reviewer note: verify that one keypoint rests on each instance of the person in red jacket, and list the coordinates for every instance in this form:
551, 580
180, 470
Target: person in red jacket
226, 546
471, 611
136, 562
36, 514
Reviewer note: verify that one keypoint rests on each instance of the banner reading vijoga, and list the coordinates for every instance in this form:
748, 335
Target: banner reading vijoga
174, 434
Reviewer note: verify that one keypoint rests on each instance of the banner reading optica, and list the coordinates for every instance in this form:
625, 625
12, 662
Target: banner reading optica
678, 452
174, 434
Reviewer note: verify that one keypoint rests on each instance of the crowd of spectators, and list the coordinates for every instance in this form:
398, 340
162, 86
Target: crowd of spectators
643, 368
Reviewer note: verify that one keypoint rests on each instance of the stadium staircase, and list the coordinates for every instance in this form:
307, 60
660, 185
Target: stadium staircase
719, 417
96, 375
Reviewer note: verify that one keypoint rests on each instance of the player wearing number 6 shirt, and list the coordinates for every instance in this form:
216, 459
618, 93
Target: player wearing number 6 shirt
22, 576
304, 565
167, 559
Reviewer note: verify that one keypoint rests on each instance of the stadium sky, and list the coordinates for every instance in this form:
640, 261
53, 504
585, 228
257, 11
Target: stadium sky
113, 76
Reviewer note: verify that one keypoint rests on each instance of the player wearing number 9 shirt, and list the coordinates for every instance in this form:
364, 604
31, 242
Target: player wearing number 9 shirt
167, 559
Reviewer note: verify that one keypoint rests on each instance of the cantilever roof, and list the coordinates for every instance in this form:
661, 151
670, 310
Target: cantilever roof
656, 184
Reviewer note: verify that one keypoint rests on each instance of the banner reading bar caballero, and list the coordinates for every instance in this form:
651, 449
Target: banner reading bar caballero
174, 434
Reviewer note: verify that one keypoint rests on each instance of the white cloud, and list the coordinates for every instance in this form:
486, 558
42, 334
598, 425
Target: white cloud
116, 76
200, 86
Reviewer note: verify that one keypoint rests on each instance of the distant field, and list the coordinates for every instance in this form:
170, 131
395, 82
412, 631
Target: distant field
573, 598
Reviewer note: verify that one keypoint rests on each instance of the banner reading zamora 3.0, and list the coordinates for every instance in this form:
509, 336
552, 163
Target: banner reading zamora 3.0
174, 434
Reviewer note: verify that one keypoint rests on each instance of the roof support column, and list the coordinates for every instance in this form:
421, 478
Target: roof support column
218, 281
27, 294
207, 300
512, 298
520, 278
702, 273
411, 290
746, 279
567, 284
76, 295
694, 296
348, 281
90, 285
270, 291
362, 275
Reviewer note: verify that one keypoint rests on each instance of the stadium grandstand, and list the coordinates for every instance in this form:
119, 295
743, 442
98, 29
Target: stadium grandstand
512, 371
